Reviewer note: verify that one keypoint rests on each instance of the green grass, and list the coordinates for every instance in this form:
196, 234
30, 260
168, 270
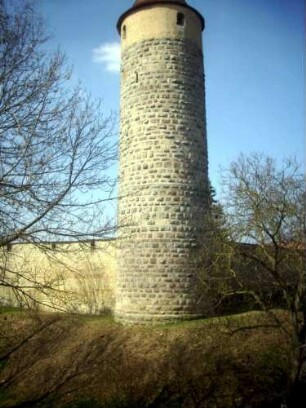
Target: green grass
9, 309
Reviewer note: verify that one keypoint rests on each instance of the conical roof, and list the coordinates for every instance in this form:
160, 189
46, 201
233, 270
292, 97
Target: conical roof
139, 4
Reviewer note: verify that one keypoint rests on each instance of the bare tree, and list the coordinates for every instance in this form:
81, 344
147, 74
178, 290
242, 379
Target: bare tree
264, 208
56, 146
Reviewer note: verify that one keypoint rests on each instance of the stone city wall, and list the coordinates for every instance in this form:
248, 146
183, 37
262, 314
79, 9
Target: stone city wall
71, 277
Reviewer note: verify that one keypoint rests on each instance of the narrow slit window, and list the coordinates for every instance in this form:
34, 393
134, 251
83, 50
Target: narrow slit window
136, 77
180, 19
124, 32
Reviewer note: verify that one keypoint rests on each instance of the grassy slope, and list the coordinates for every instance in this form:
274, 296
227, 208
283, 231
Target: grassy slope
204, 363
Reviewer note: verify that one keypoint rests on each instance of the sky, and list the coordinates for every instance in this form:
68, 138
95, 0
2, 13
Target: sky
254, 57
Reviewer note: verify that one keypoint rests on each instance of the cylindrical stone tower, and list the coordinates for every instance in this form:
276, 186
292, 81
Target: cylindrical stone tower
163, 185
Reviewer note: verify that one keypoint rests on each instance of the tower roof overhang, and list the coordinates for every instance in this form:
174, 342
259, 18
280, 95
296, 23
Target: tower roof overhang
142, 4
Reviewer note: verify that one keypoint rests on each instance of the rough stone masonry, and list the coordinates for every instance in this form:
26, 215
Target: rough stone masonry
163, 187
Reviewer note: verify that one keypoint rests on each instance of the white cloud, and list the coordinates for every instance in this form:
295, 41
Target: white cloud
109, 55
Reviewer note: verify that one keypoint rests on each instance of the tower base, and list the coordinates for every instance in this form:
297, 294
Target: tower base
127, 318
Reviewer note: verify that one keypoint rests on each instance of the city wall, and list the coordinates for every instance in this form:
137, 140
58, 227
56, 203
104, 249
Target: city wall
69, 277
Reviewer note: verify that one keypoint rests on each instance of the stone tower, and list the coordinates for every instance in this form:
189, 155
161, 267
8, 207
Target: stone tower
163, 185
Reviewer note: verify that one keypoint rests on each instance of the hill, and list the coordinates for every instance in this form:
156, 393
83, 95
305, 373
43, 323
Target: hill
50, 360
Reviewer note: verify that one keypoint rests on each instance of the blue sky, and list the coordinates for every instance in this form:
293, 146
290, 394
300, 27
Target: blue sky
254, 55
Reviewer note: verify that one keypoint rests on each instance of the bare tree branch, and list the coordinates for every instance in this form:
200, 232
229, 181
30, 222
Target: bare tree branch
57, 147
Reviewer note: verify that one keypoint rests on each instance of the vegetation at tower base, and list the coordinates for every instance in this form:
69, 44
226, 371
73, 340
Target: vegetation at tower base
74, 362
256, 257
243, 360
55, 149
